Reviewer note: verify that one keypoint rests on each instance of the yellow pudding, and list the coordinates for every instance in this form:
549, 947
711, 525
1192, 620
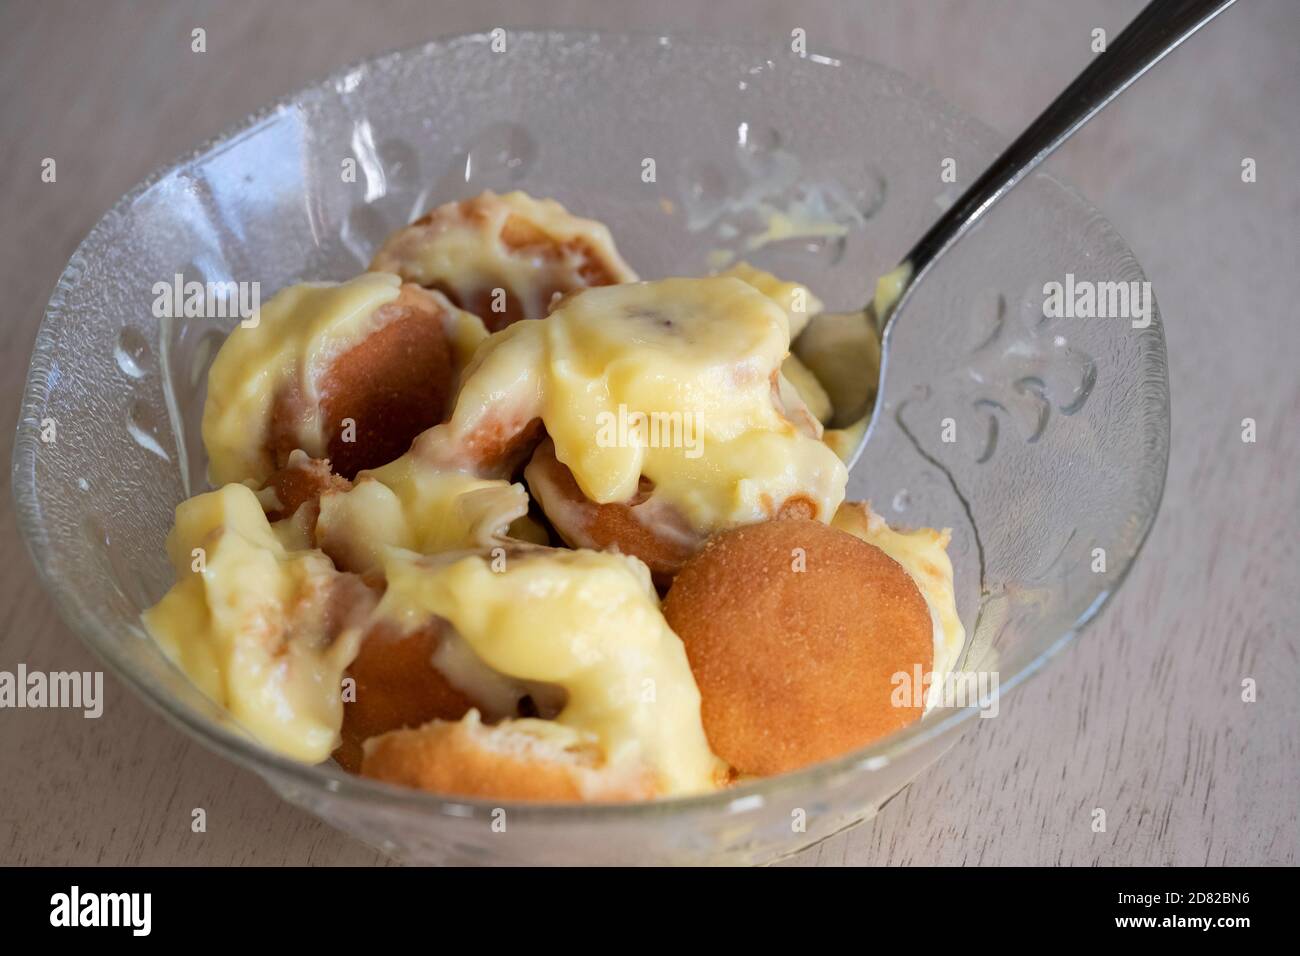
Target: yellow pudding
672, 381
504, 258
799, 305
419, 509
262, 630
275, 386
795, 299
585, 621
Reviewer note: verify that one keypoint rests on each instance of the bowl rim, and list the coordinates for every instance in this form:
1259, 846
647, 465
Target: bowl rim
236, 745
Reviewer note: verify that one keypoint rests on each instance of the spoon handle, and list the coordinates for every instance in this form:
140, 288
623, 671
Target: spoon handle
1161, 26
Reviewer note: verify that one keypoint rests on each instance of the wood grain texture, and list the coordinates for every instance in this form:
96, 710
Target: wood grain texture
1143, 717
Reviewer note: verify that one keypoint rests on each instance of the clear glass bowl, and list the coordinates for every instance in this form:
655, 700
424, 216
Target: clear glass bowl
1062, 425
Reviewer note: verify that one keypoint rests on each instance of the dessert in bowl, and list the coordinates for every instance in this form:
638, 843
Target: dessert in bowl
483, 535
1061, 429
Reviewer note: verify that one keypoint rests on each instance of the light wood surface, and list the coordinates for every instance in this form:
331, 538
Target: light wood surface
1142, 717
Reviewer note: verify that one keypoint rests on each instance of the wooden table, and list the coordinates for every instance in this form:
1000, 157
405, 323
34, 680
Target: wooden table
1143, 717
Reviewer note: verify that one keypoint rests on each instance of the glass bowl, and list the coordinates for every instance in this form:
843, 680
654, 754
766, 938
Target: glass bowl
686, 148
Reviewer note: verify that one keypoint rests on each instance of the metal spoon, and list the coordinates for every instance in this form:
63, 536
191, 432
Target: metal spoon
1159, 28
